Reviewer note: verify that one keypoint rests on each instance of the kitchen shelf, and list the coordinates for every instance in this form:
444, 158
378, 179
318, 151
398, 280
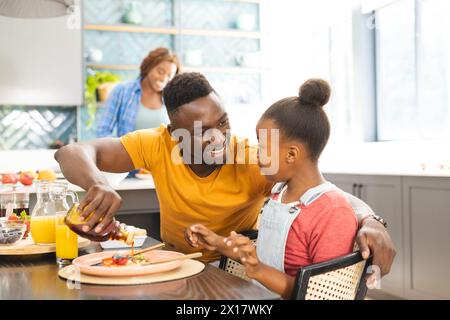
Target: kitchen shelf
221, 33
174, 31
129, 28
114, 66
233, 70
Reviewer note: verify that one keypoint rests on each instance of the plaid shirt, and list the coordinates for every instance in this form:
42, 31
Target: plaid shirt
121, 108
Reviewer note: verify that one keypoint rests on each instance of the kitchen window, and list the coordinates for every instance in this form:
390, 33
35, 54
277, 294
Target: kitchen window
412, 70
332, 60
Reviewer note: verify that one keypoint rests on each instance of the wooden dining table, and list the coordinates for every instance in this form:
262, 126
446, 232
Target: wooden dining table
36, 278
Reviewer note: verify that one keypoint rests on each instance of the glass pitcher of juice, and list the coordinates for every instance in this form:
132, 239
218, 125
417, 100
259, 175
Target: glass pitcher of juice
114, 231
43, 216
59, 193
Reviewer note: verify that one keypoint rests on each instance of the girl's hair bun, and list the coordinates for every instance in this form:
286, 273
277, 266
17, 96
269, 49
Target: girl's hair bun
315, 93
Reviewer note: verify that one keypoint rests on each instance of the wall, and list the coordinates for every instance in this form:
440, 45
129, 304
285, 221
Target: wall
40, 80
40, 61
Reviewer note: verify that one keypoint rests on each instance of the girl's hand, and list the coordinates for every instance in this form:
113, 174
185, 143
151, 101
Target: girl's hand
250, 260
246, 250
199, 235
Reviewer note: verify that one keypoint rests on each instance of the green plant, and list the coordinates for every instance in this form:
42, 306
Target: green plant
90, 95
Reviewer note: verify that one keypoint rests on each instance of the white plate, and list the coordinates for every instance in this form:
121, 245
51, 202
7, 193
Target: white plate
144, 176
117, 244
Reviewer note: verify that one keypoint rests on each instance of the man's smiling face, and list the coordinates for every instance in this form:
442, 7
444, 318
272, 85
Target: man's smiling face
207, 123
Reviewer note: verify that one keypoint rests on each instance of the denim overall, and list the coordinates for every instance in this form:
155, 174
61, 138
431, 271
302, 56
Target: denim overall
276, 221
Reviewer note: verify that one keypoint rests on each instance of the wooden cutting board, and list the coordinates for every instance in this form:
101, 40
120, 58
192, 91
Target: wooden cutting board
28, 247
187, 269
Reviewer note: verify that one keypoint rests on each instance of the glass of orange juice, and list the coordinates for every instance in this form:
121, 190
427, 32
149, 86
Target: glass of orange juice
66, 242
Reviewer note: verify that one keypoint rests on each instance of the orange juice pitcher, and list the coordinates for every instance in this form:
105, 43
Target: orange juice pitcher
59, 193
42, 224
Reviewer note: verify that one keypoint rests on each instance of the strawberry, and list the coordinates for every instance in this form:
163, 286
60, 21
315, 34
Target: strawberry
26, 178
25, 235
120, 260
10, 178
13, 217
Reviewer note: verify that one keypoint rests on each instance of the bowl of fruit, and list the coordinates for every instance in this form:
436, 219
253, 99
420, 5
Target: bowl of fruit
12, 231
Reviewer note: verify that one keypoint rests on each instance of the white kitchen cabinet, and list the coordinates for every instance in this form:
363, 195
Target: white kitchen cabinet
427, 237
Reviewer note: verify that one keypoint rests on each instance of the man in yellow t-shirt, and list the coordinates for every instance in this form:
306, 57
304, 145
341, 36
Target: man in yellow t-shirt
201, 174
227, 199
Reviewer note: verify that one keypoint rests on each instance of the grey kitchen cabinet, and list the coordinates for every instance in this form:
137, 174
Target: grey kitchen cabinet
140, 208
346, 182
384, 195
427, 237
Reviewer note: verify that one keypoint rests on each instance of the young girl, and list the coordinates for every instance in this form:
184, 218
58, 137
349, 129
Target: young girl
307, 220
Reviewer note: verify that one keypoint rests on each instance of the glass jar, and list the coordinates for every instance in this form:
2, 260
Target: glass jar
43, 216
6, 203
132, 14
22, 202
58, 194
115, 231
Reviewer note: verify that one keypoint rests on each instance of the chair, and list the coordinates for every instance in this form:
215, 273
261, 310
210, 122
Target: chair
337, 279
234, 267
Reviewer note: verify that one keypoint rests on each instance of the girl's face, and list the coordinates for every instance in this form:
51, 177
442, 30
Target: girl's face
277, 156
158, 77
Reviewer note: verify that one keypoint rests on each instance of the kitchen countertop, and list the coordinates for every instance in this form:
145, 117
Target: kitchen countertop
355, 169
138, 184
125, 184
411, 158
427, 159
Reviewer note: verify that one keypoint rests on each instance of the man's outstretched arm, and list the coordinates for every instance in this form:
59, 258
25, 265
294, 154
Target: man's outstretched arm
372, 236
82, 163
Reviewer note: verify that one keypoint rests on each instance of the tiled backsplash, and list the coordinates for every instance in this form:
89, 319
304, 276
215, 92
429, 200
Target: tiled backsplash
27, 127
123, 48
214, 14
111, 11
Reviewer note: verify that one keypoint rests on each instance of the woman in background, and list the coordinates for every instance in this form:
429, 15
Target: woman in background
138, 104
